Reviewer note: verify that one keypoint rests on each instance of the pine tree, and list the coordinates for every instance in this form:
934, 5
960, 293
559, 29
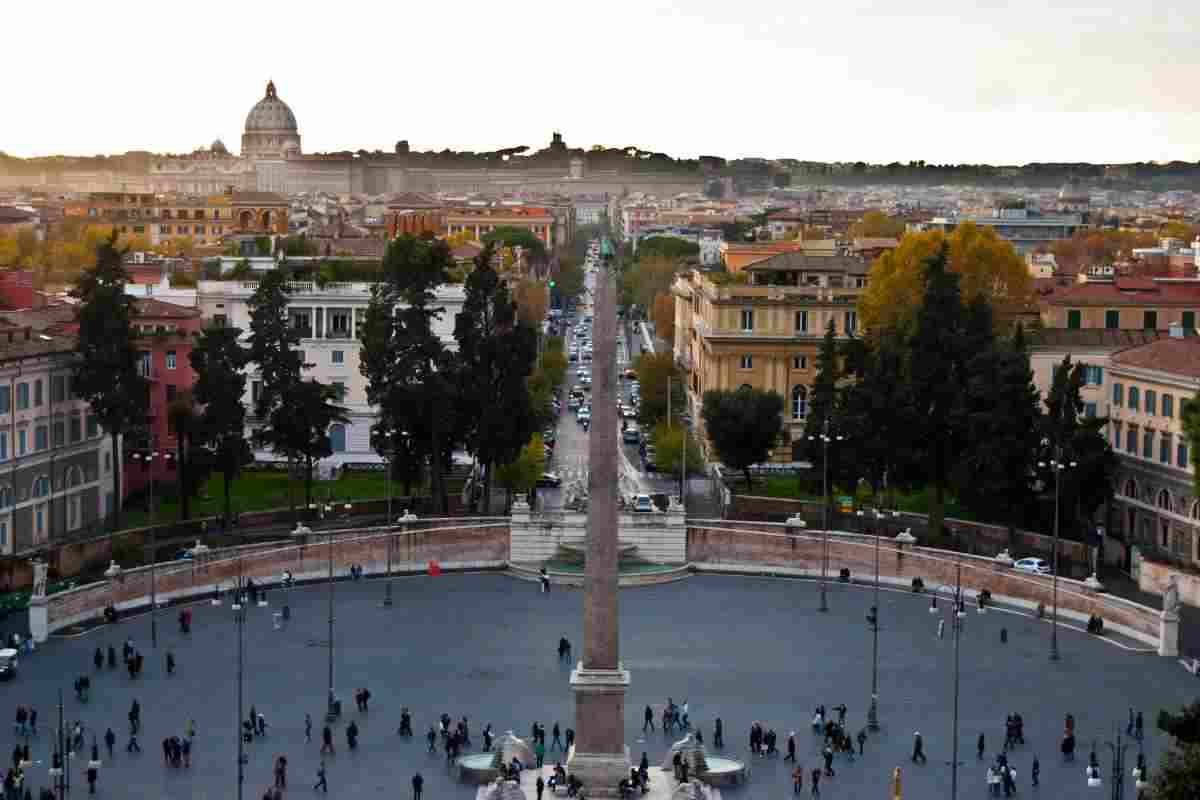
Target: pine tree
938, 381
823, 412
106, 371
273, 342
299, 428
219, 361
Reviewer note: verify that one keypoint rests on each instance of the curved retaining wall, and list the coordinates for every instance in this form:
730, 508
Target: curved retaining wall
454, 546
764, 544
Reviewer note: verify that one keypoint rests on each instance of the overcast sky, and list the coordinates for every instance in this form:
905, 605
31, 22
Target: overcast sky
998, 81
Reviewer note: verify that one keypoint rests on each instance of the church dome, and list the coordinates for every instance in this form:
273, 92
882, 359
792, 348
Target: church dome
271, 114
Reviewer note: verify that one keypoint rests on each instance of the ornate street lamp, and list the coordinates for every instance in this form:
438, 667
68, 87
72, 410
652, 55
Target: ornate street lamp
825, 438
1057, 465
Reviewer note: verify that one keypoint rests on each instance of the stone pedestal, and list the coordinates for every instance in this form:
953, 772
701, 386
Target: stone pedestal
1168, 635
600, 711
39, 619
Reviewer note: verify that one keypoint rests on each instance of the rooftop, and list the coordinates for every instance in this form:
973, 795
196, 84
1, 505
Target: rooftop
1099, 338
1176, 355
149, 308
1130, 291
792, 261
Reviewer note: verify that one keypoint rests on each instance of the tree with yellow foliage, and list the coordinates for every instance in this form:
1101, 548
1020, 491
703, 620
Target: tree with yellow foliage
663, 315
177, 247
877, 225
459, 239
987, 266
532, 299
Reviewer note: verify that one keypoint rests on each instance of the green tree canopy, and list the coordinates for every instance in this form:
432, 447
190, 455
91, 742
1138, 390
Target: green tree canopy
671, 247
219, 361
743, 425
510, 236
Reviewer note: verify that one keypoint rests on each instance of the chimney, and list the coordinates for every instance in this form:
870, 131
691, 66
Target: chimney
1176, 330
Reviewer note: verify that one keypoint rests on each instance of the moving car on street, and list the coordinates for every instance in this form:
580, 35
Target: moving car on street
1036, 565
549, 480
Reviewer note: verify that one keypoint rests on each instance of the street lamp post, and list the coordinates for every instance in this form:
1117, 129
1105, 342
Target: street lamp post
1118, 749
387, 592
873, 709
331, 709
825, 438
959, 616
239, 618
148, 460
1057, 465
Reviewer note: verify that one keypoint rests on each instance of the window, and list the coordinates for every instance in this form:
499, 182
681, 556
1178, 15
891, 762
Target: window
255, 391
799, 362
1116, 437
93, 427
337, 356
339, 391
58, 389
1188, 322
4, 446
1150, 320
337, 438
6, 496
801, 322
1133, 398
76, 429
1168, 405
1112, 319
22, 442
851, 321
1074, 319
1093, 376
747, 319
22, 396
41, 486
170, 359
1151, 402
37, 393
1118, 394
1131, 439
1089, 409
799, 402
1164, 449
1181, 454
1148, 444
60, 433
41, 437
5, 399
747, 362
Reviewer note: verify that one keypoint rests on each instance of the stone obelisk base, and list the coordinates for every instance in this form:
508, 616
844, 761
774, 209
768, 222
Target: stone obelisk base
1168, 634
599, 758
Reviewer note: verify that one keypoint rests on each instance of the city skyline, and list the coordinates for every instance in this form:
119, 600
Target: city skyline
1092, 83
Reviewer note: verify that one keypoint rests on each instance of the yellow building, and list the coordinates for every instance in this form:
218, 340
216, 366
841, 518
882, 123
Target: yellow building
763, 328
1147, 387
207, 220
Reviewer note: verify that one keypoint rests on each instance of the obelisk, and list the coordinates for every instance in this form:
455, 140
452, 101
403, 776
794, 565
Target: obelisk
600, 758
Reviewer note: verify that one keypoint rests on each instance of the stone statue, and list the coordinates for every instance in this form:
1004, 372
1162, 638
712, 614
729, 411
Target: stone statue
1171, 598
896, 784
40, 568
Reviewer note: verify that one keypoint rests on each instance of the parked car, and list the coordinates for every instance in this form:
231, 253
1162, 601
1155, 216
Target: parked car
642, 503
1037, 565
648, 460
584, 415
549, 480
631, 435
8, 663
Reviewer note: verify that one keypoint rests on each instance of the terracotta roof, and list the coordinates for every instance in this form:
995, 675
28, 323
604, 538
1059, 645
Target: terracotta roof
1177, 355
876, 242
21, 347
1098, 338
149, 307
16, 216
811, 263
1129, 291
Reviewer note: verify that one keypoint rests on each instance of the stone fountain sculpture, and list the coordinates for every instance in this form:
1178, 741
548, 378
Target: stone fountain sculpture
485, 767
710, 771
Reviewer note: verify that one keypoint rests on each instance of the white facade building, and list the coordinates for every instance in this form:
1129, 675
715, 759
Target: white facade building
329, 317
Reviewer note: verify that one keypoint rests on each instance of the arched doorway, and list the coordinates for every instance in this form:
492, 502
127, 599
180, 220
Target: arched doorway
266, 220
246, 220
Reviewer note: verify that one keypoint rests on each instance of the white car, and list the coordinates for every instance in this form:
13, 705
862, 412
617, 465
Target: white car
1036, 565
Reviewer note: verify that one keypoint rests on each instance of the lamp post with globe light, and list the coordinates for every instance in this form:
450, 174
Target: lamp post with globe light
825, 438
1058, 465
147, 460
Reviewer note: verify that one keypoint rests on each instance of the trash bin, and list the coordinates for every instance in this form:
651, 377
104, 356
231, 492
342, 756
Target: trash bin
277, 618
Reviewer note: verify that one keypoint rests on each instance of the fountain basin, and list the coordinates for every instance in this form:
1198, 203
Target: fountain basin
723, 771
478, 768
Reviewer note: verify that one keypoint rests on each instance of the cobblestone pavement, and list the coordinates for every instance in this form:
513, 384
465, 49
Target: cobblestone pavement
484, 646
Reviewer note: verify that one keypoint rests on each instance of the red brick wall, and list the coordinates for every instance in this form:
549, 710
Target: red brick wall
749, 545
450, 544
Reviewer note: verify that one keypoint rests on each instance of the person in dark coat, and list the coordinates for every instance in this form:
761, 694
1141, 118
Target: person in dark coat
418, 783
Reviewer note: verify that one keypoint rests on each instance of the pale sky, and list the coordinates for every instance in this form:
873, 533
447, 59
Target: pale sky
997, 81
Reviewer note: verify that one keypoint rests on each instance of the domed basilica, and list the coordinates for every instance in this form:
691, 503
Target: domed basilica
271, 131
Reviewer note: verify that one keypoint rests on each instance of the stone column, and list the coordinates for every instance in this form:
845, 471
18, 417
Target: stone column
599, 757
1168, 633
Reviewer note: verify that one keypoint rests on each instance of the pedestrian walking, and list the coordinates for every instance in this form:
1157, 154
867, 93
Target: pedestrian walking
862, 739
797, 779
32, 721
539, 750
918, 755
170, 663
649, 721
327, 740
431, 737
555, 741
718, 733
1035, 770
827, 754
816, 782
1004, 636
941, 634
92, 775
1137, 727
418, 783
133, 745
540, 787
979, 747
110, 739
307, 727
321, 783
112, 657
98, 659
1129, 727
791, 747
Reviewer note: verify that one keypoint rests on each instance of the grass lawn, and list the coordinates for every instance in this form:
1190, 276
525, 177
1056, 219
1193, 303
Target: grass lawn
916, 501
266, 489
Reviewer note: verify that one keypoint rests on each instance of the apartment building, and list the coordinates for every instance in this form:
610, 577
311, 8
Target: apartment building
1125, 303
1092, 347
206, 220
328, 318
764, 330
1148, 386
56, 464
